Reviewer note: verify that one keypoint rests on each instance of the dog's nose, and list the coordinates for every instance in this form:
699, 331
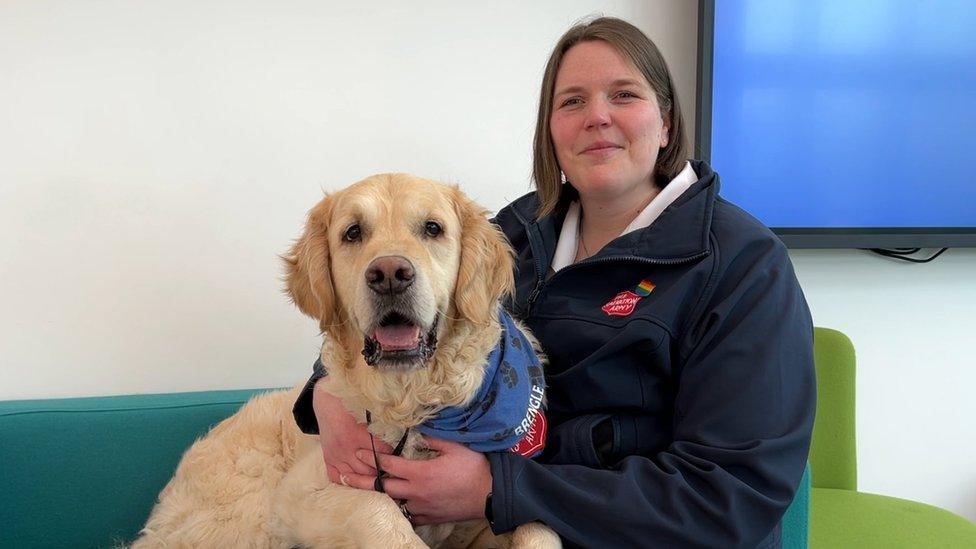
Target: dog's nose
390, 274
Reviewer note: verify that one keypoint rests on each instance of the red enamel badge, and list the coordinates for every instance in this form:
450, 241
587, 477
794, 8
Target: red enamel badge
622, 304
535, 440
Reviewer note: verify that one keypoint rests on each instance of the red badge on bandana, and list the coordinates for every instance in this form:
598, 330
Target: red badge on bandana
535, 440
623, 303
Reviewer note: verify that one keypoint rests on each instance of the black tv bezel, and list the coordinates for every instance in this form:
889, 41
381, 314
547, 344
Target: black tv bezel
810, 237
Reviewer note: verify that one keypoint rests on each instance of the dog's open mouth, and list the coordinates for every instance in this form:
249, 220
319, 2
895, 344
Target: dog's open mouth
397, 341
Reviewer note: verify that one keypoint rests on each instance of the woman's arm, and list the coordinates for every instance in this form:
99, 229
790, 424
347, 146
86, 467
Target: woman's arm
342, 437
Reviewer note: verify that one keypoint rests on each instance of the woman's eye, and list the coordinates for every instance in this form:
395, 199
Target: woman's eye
626, 95
432, 228
353, 234
571, 102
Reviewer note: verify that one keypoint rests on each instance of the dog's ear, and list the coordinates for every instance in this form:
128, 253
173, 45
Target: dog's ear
485, 274
308, 280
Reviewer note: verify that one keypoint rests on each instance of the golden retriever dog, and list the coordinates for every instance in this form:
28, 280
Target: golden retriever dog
404, 277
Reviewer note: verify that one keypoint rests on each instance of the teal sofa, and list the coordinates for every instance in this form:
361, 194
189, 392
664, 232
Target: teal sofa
85, 472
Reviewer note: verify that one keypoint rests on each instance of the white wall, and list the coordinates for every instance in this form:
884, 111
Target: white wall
157, 156
912, 328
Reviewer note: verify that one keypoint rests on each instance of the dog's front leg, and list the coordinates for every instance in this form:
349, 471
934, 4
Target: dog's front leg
532, 535
535, 535
312, 512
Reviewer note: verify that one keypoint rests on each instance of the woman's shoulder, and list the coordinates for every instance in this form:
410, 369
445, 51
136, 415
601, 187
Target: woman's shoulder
514, 219
522, 208
735, 229
729, 223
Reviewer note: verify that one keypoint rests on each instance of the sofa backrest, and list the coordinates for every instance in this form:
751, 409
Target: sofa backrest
84, 472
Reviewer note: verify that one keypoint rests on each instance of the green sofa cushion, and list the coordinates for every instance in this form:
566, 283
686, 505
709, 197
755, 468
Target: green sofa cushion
84, 472
844, 518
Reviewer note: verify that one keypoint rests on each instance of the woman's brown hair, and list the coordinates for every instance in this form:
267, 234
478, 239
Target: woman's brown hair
635, 47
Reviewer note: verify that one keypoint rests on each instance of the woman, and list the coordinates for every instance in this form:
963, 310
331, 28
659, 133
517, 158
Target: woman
680, 383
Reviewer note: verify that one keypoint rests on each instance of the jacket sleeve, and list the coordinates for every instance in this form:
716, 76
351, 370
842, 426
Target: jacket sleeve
743, 416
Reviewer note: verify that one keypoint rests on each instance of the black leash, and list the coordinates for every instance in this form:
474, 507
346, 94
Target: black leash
381, 475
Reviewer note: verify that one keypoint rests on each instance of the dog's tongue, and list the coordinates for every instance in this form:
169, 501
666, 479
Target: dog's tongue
397, 337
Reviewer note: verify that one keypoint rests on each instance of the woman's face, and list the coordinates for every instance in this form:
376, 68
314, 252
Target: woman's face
606, 125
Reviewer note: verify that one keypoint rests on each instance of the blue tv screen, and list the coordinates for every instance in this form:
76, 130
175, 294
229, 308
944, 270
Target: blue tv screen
839, 118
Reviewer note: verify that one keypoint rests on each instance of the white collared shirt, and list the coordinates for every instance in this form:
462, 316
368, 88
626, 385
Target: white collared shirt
566, 247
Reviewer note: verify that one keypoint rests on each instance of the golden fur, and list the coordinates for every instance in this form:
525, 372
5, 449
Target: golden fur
255, 480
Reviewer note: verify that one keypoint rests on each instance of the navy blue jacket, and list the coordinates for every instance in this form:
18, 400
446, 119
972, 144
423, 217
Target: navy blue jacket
685, 423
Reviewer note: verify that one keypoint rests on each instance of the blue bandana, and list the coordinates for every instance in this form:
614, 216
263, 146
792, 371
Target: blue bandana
510, 397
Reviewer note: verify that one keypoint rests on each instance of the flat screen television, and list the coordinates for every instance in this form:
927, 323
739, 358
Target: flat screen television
843, 124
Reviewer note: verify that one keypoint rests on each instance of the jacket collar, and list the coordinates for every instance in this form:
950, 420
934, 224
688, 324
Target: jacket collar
681, 232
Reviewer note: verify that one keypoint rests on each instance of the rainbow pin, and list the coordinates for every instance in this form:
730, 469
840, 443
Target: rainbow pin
644, 288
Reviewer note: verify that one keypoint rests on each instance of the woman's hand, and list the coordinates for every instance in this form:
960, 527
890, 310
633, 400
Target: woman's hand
341, 436
451, 487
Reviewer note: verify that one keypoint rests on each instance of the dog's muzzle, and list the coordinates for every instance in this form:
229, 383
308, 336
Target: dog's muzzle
399, 343
397, 340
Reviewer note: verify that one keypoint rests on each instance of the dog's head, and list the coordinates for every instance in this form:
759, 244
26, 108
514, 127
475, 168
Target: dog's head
391, 261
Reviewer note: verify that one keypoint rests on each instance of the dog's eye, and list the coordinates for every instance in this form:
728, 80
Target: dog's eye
353, 234
433, 228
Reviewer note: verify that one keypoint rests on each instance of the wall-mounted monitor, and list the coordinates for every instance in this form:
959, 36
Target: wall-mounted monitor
843, 124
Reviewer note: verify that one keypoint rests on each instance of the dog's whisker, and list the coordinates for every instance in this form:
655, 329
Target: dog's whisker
485, 324
337, 324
